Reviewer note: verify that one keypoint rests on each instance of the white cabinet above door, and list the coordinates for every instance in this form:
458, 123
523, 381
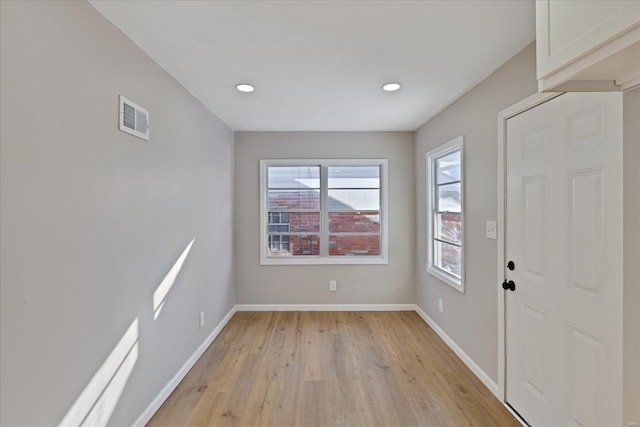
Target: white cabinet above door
588, 45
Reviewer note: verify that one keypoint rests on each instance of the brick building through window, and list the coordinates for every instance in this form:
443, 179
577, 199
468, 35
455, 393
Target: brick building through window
323, 210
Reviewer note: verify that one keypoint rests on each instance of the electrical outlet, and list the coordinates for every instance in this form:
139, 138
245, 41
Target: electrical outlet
440, 305
201, 319
332, 285
491, 230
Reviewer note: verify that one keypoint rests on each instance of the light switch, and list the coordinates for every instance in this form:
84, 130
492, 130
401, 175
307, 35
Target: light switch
491, 230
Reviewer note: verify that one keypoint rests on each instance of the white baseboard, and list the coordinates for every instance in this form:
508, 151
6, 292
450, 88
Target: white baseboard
326, 307
486, 380
173, 383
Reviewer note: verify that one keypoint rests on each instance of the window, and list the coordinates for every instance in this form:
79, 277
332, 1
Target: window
445, 210
323, 212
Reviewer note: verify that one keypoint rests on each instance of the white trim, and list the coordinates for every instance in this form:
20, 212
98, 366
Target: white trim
504, 115
319, 260
324, 259
562, 74
184, 370
632, 84
326, 307
482, 376
453, 145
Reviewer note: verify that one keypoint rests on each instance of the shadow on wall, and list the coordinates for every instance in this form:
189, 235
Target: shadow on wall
95, 405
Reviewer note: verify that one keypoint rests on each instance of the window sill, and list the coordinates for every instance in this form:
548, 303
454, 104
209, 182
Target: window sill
456, 284
324, 261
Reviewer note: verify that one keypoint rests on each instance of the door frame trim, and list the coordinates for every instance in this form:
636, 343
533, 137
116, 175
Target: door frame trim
504, 115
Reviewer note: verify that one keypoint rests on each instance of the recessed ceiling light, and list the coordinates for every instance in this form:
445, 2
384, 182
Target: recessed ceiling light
244, 87
391, 87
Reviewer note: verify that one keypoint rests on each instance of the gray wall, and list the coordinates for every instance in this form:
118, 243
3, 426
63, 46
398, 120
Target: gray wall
357, 284
471, 319
92, 219
631, 318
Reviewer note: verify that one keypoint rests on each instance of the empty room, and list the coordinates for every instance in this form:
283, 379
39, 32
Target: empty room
319, 213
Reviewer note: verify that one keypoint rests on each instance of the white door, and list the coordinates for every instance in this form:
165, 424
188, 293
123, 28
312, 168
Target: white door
564, 236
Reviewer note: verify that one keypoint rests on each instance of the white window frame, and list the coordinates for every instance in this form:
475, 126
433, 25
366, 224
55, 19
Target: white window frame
446, 148
324, 258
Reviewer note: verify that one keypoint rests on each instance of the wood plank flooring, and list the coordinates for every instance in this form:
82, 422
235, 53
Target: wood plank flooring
330, 369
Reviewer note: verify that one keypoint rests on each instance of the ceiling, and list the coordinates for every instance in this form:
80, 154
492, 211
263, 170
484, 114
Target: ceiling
320, 65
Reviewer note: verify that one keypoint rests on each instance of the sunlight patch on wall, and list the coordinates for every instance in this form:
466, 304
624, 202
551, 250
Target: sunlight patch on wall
99, 398
161, 292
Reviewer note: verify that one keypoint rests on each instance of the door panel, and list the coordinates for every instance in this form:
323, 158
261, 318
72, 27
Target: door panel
586, 232
585, 352
564, 234
534, 225
534, 376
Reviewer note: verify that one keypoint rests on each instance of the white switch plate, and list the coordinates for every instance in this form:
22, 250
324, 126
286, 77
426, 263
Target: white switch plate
201, 319
332, 285
491, 230
440, 305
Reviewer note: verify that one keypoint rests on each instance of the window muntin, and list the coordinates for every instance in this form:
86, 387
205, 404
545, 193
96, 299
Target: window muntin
445, 213
323, 211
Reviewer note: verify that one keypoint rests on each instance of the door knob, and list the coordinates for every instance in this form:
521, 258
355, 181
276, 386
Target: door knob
511, 265
510, 285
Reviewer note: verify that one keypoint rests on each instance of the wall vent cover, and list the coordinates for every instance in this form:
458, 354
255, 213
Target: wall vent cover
134, 119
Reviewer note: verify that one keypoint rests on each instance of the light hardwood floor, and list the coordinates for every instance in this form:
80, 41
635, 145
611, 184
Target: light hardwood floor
330, 369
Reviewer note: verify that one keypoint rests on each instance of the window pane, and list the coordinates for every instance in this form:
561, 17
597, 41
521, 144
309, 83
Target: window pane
284, 246
448, 168
448, 198
449, 227
293, 176
278, 218
354, 222
278, 222
294, 222
448, 258
294, 199
354, 245
354, 176
353, 200
278, 245
305, 245
304, 222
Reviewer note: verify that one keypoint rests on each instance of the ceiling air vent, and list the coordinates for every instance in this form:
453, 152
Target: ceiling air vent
134, 119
